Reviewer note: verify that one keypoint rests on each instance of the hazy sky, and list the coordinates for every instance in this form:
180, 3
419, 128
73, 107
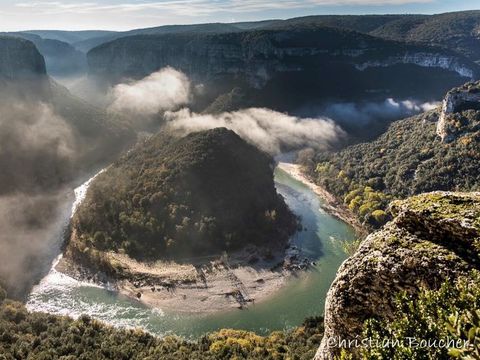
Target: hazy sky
128, 14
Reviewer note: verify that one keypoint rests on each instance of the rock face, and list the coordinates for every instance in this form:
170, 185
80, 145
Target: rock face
61, 58
423, 59
453, 117
432, 237
260, 55
20, 59
316, 61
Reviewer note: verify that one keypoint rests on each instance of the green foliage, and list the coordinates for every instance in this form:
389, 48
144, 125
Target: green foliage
41, 336
466, 327
408, 159
207, 192
351, 247
379, 216
449, 313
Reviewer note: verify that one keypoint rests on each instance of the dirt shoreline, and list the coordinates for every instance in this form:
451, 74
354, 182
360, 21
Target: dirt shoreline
199, 285
332, 205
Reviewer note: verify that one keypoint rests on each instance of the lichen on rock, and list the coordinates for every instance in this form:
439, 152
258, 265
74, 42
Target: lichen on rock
433, 237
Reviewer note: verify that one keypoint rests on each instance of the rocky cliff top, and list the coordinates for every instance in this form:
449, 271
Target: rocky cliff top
432, 237
460, 109
20, 59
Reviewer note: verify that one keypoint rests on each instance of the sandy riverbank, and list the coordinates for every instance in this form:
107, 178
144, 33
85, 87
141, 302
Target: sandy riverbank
202, 284
332, 205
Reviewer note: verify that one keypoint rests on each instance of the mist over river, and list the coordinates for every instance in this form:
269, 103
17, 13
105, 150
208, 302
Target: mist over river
303, 295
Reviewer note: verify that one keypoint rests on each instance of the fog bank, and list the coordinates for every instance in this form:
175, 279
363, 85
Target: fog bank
37, 148
159, 91
270, 130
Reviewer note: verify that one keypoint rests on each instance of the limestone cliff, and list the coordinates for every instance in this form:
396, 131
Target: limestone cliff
458, 111
259, 55
432, 237
20, 59
61, 58
318, 62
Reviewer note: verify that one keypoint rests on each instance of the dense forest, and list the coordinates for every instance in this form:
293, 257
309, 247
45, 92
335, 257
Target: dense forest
408, 159
203, 193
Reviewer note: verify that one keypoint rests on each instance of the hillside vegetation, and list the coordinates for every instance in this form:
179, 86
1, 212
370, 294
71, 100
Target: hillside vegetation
25, 335
408, 159
206, 192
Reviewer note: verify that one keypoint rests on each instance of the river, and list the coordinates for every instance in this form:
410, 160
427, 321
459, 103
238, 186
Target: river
302, 296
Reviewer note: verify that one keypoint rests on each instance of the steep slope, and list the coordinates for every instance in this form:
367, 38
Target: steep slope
49, 139
29, 95
410, 158
433, 237
319, 62
200, 194
61, 58
20, 59
100, 136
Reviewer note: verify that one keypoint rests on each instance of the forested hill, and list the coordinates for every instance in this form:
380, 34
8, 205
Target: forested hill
410, 158
203, 193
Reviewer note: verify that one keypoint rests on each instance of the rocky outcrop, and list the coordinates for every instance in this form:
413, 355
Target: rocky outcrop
458, 110
423, 59
433, 237
20, 59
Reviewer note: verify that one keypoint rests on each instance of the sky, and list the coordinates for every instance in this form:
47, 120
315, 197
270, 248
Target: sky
130, 14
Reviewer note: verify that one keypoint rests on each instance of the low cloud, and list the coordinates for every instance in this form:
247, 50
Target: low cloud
31, 226
366, 112
37, 126
271, 131
163, 90
37, 148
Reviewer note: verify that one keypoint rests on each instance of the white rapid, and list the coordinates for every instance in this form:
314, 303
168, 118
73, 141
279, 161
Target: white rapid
55, 280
